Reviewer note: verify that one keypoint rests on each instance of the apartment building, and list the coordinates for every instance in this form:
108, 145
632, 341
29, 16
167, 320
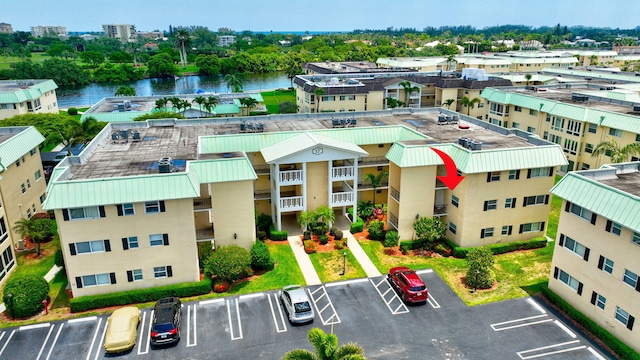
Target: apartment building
594, 266
22, 187
19, 97
6, 28
48, 30
344, 67
226, 40
133, 208
123, 32
576, 116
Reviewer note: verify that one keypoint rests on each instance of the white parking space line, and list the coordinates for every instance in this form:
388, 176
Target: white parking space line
432, 301
34, 326
250, 296
45, 342
498, 326
95, 335
79, 320
99, 350
141, 342
2, 335
346, 282
55, 340
595, 353
333, 318
400, 309
536, 305
537, 351
209, 302
233, 337
7, 343
189, 326
566, 329
425, 271
274, 315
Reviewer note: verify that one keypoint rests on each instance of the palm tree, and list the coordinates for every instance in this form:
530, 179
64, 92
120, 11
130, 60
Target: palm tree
184, 104
134, 48
175, 102
326, 346
469, 103
305, 219
292, 71
89, 128
528, 78
408, 89
161, 103
210, 104
37, 230
249, 103
319, 93
199, 100
448, 103
615, 152
376, 181
182, 42
450, 60
325, 215
234, 82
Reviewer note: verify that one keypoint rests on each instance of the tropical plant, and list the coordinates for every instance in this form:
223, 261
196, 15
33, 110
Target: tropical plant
260, 257
234, 82
326, 346
125, 91
249, 103
391, 238
612, 149
200, 100
27, 292
38, 230
161, 103
306, 219
376, 180
325, 216
450, 60
182, 41
319, 92
469, 103
230, 263
376, 230
448, 103
428, 230
528, 78
408, 89
210, 104
287, 107
480, 261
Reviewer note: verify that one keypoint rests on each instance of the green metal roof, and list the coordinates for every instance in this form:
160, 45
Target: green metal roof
258, 141
226, 109
607, 201
605, 118
306, 141
479, 161
117, 190
24, 140
124, 116
222, 170
593, 74
32, 92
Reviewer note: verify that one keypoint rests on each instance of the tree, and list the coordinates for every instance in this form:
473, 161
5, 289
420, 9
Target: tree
319, 92
528, 78
229, 263
480, 261
287, 107
38, 230
125, 91
161, 65
27, 292
161, 103
292, 71
93, 58
182, 41
469, 103
234, 82
376, 181
200, 100
249, 103
133, 47
615, 152
450, 60
89, 128
408, 89
69, 133
306, 219
428, 230
210, 104
326, 216
260, 257
326, 346
448, 103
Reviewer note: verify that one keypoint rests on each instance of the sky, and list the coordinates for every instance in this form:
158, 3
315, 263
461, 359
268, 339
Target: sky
316, 15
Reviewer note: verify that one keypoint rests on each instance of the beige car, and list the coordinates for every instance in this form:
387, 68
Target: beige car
122, 330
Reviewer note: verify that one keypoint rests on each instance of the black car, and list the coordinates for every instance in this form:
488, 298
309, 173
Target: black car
165, 328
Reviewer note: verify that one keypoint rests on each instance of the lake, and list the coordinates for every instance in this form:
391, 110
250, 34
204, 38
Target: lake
92, 93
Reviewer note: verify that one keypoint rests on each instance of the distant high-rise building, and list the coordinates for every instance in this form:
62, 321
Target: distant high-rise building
6, 28
226, 40
46, 30
124, 32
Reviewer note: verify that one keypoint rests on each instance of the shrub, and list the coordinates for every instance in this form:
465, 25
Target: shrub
58, 259
264, 222
337, 235
338, 244
317, 230
261, 235
461, 253
28, 291
72, 111
442, 248
480, 261
278, 235
229, 263
260, 257
391, 238
324, 239
410, 245
310, 247
376, 230
332, 231
365, 209
85, 303
306, 235
221, 286
357, 226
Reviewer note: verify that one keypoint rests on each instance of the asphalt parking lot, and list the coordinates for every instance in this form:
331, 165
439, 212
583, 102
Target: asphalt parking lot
365, 311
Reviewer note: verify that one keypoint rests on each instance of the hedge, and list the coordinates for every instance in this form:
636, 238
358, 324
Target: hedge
278, 235
91, 302
28, 291
613, 343
461, 252
406, 245
356, 226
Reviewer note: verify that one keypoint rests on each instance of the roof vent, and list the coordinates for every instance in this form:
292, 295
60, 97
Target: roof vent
164, 165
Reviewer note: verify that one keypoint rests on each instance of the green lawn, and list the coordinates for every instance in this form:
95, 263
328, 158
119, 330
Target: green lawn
5, 62
273, 98
329, 266
191, 68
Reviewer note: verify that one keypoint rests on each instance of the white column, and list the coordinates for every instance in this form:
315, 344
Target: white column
304, 186
274, 205
329, 188
355, 189
277, 197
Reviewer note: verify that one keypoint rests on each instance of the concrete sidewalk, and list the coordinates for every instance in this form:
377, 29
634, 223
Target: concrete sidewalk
360, 255
308, 271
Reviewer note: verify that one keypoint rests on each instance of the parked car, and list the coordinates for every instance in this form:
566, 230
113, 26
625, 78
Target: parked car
297, 304
165, 328
408, 285
121, 330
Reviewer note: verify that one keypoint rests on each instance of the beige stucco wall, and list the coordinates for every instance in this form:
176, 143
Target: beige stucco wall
181, 253
233, 213
621, 250
48, 104
6, 244
417, 197
317, 184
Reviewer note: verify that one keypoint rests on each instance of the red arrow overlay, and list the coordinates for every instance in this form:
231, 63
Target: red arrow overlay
451, 179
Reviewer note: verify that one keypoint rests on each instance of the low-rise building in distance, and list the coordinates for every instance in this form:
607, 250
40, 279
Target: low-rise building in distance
19, 97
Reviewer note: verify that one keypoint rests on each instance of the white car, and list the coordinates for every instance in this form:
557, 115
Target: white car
297, 304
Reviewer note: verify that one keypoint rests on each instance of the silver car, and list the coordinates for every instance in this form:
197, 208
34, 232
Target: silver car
297, 304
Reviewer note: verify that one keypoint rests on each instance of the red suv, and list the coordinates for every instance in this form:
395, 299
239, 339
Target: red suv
408, 285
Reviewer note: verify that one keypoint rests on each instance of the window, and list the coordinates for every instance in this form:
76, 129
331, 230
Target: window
574, 127
538, 172
22, 188
615, 132
510, 203
92, 212
95, 280
130, 242
29, 183
134, 275
613, 227
569, 280
159, 239
454, 200
506, 230
452, 227
555, 139
28, 213
532, 227
598, 300
33, 208
605, 264
630, 278
531, 129
42, 198
574, 246
585, 166
162, 272
18, 163
351, 97
490, 205
515, 125
3, 230
127, 209
7, 255
33, 151
545, 135
570, 146
582, 212
533, 112
487, 232
536, 200
635, 238
493, 176
343, 98
517, 108
624, 317
514, 174
328, 98
593, 128
38, 175
151, 207
85, 247
588, 148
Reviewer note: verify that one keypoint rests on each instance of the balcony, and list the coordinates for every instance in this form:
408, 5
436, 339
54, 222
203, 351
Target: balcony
292, 203
373, 161
203, 204
262, 194
290, 177
393, 220
342, 173
440, 210
395, 193
367, 186
440, 185
261, 169
205, 235
341, 198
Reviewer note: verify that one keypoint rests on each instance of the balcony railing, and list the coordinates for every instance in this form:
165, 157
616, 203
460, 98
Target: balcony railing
262, 194
368, 186
342, 172
395, 193
342, 198
440, 210
393, 220
291, 176
202, 204
291, 203
261, 169
205, 235
373, 161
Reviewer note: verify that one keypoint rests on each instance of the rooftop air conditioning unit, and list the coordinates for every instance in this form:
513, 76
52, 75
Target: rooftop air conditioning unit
636, 108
